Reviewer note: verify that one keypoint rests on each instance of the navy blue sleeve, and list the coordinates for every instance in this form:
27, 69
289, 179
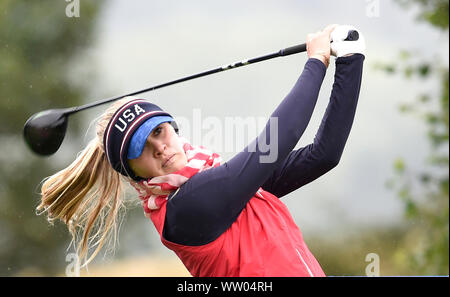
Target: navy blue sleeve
207, 204
306, 164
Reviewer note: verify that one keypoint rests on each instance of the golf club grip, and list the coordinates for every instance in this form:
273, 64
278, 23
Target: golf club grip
293, 50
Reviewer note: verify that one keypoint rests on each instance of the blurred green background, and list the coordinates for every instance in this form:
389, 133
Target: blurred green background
388, 196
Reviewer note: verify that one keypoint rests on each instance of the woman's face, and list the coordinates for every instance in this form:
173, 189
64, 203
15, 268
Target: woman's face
162, 154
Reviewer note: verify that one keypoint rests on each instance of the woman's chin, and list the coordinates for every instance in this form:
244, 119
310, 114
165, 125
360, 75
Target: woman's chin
175, 164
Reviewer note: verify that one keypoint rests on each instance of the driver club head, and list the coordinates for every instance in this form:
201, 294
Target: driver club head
44, 131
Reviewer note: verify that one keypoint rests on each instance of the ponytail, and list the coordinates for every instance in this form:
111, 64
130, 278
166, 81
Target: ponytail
87, 195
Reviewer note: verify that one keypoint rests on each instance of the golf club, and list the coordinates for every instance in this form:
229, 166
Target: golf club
44, 131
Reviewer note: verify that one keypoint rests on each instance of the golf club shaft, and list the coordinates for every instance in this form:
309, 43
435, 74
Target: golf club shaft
281, 53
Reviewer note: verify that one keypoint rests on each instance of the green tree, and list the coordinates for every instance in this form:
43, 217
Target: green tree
426, 194
38, 43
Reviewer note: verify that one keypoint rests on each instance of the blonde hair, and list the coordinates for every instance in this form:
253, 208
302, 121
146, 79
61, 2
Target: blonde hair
87, 195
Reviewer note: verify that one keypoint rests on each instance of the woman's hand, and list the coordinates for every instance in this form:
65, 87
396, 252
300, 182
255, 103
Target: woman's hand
340, 47
318, 44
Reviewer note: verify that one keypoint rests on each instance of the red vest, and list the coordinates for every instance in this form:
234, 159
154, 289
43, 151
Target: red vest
263, 241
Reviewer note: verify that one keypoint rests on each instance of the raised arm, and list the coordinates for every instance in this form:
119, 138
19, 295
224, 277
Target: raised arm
207, 204
219, 194
312, 161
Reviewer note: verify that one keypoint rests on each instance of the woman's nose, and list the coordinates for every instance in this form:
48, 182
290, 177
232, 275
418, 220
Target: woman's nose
160, 147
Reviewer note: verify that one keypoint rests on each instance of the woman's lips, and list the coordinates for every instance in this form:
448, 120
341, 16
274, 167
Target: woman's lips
168, 161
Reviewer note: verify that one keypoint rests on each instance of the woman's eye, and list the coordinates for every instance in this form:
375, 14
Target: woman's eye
157, 130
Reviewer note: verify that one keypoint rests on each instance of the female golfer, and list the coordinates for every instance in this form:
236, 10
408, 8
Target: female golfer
221, 219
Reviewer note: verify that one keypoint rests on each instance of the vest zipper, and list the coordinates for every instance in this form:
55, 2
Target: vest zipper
304, 263
259, 193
